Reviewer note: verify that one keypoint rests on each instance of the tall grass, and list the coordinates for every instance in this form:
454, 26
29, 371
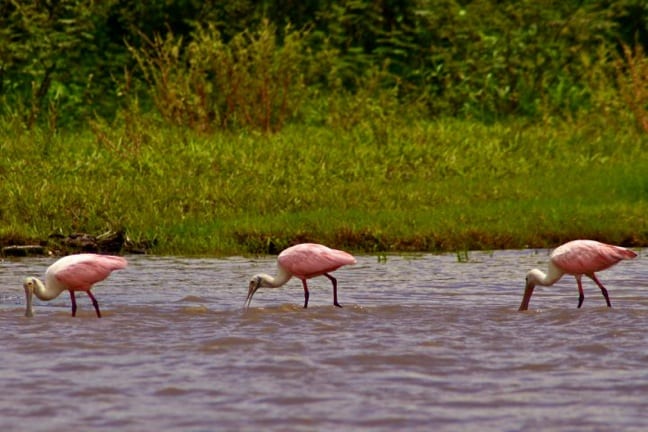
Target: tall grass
206, 84
632, 73
412, 185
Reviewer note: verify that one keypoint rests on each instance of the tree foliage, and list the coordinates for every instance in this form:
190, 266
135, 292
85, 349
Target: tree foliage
66, 61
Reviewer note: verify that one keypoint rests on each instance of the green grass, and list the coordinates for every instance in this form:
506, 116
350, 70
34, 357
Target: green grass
379, 186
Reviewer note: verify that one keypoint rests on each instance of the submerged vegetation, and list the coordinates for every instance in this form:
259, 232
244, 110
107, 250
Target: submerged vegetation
373, 126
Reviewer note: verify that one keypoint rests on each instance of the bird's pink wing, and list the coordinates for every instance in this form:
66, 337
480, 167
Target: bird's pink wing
89, 269
308, 259
588, 256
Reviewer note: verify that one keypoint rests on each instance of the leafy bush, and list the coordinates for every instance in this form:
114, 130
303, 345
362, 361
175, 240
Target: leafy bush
633, 83
242, 64
249, 81
39, 44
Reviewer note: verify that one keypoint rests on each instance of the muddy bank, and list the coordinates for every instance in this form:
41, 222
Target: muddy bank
110, 242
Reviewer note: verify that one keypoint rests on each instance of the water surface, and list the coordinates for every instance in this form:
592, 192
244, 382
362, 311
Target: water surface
424, 342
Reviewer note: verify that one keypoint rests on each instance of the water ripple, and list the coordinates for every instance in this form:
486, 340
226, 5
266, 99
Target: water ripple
422, 343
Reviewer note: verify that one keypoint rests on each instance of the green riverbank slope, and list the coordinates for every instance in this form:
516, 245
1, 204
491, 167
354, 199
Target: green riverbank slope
439, 185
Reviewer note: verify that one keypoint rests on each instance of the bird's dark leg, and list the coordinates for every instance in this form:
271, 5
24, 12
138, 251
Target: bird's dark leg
95, 303
603, 290
74, 306
306, 295
581, 295
334, 282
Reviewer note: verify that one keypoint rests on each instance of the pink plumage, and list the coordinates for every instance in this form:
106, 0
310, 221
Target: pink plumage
578, 258
308, 260
80, 272
588, 256
303, 261
72, 273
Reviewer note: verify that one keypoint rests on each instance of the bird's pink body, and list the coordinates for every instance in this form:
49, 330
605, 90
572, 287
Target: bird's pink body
308, 260
72, 273
588, 256
79, 272
578, 258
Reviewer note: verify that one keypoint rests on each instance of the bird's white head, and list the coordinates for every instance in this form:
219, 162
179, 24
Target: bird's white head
29, 284
255, 283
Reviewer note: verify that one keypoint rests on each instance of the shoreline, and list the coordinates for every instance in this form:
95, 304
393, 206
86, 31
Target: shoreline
120, 244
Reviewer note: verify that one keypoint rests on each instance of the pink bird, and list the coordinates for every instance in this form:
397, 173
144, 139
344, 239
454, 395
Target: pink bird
72, 273
578, 258
304, 261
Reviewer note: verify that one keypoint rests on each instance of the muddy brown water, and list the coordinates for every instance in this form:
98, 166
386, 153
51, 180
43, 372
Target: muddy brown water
423, 343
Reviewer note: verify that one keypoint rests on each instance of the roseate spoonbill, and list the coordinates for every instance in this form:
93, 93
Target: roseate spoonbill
304, 261
72, 273
578, 258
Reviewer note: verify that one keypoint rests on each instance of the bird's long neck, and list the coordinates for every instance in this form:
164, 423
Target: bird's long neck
537, 277
46, 291
275, 282
546, 279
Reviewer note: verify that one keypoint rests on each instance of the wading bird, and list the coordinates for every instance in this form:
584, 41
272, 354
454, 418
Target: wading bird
72, 273
578, 258
304, 261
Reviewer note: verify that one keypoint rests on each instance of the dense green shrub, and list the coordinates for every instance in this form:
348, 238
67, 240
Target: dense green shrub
64, 62
249, 81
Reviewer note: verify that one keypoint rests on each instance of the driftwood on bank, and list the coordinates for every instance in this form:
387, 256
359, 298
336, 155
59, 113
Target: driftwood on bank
110, 242
23, 250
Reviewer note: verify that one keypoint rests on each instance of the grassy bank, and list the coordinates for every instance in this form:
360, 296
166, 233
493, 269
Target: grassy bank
377, 186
